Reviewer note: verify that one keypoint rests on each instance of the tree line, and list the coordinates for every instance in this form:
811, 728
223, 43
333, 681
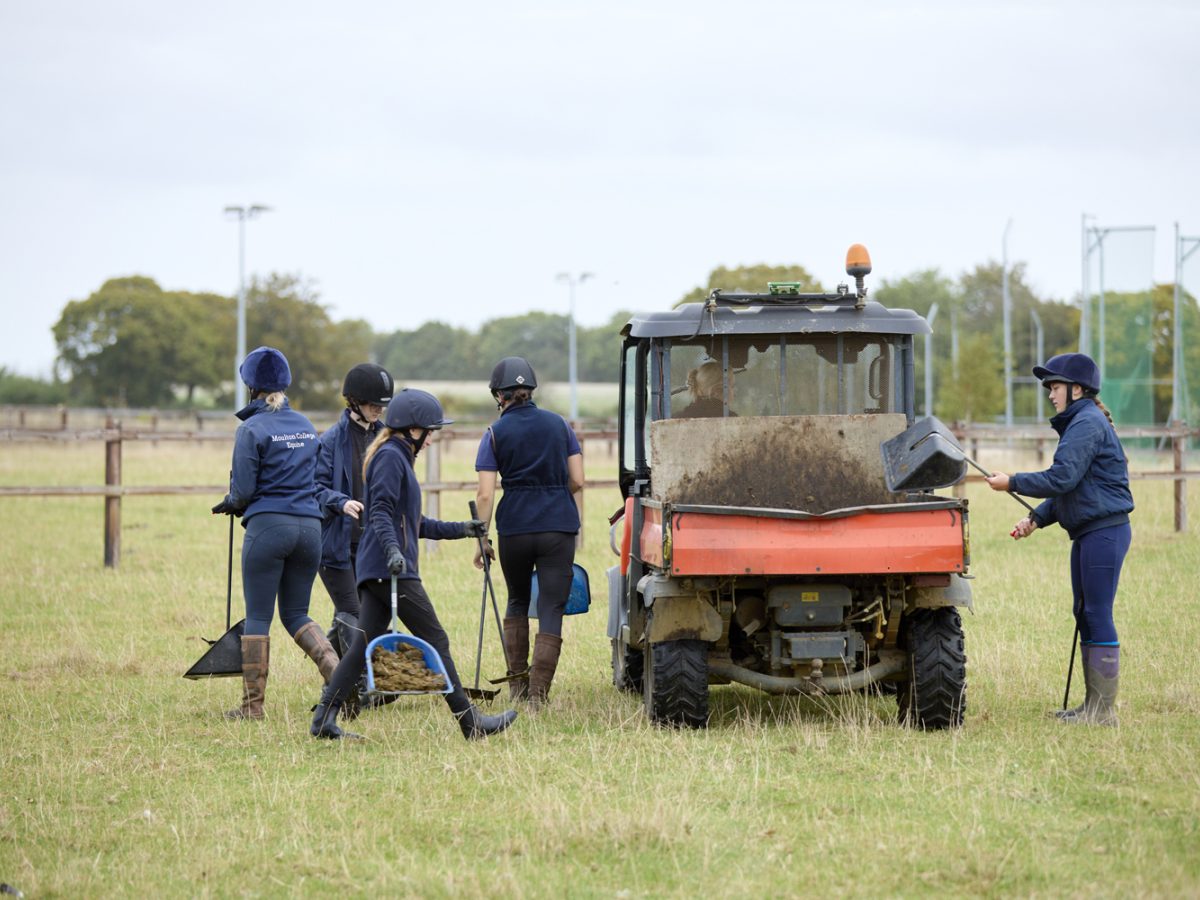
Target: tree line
133, 344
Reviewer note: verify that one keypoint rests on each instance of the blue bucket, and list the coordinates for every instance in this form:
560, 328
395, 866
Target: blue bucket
392, 640
578, 600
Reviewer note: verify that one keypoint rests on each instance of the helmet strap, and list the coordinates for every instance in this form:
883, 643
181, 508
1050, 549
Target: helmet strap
417, 443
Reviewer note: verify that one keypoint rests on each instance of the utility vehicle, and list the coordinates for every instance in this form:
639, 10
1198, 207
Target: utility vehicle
760, 543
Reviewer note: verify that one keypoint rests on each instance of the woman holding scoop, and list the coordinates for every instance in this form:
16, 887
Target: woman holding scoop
1087, 493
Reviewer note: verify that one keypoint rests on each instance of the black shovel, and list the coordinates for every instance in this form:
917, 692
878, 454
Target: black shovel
224, 655
926, 456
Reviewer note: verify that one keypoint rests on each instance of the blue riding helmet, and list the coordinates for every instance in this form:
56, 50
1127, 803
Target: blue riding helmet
265, 369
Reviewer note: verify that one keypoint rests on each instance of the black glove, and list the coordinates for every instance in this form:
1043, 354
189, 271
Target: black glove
395, 560
226, 508
476, 528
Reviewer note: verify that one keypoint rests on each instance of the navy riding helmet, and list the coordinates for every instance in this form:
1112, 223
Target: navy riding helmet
1073, 368
265, 369
413, 408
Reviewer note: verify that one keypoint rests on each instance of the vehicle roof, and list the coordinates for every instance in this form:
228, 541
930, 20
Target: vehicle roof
836, 315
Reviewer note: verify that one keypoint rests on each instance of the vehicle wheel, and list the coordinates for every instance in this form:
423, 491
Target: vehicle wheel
626, 667
935, 694
675, 683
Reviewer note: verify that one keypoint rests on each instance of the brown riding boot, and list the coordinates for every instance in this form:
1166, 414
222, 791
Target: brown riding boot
546, 648
313, 642
516, 653
256, 658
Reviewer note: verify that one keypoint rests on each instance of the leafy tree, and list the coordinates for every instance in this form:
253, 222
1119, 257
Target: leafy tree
600, 350
977, 393
540, 337
283, 311
751, 279
25, 391
131, 343
433, 352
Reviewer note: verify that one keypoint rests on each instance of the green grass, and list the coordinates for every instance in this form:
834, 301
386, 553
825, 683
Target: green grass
121, 778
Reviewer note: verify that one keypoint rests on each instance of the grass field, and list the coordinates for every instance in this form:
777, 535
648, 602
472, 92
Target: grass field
120, 778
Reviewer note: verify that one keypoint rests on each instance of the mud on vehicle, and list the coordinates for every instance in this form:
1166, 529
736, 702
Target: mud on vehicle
759, 541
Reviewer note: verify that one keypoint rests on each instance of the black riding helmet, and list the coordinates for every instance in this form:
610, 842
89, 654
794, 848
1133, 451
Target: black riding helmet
511, 373
368, 383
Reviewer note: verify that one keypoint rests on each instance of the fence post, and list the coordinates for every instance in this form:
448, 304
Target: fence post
433, 476
112, 500
1178, 441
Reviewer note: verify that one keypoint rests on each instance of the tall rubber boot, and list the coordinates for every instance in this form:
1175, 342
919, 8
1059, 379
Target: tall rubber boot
546, 648
1100, 707
473, 723
325, 714
516, 653
1087, 687
318, 648
256, 660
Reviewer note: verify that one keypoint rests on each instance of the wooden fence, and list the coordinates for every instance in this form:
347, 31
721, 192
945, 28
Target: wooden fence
113, 490
1039, 439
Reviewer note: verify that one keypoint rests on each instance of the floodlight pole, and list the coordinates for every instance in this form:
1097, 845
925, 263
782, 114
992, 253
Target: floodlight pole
1184, 247
929, 317
1008, 353
242, 213
1039, 355
571, 281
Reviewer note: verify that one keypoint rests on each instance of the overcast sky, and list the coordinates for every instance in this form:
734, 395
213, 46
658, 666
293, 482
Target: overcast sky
446, 162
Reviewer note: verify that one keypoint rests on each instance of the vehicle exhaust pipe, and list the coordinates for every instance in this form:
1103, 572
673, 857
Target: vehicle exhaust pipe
890, 664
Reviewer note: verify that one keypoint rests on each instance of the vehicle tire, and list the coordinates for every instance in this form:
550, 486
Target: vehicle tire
675, 683
935, 694
626, 667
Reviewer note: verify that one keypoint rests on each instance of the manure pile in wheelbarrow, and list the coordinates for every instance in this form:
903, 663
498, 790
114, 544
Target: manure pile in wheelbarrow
404, 670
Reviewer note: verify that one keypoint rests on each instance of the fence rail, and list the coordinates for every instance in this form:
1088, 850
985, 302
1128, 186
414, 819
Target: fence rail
113, 435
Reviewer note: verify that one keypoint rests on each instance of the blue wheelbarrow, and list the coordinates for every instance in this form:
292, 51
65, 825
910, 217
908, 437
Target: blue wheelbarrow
392, 642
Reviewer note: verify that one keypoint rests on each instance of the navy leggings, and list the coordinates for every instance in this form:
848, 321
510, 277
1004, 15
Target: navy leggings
280, 555
1096, 560
552, 553
413, 608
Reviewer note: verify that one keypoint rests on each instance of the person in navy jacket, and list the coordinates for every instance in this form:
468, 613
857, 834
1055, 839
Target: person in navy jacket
1087, 493
272, 489
388, 550
367, 389
537, 455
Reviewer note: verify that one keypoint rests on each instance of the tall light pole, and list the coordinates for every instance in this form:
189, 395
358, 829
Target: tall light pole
571, 281
929, 317
1006, 295
242, 213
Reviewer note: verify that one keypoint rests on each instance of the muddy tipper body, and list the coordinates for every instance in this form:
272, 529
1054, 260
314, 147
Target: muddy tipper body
760, 542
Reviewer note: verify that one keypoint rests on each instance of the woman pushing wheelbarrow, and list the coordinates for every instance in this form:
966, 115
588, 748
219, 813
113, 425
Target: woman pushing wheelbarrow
388, 549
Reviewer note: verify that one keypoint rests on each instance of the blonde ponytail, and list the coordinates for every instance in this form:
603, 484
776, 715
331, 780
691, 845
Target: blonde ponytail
384, 435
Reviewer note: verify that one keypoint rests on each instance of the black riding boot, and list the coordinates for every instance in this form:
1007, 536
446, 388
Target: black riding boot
346, 626
473, 723
324, 723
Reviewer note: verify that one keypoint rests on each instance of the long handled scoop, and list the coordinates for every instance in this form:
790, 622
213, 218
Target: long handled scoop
926, 456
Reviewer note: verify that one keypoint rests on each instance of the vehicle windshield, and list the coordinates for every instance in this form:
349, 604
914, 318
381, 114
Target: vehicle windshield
777, 375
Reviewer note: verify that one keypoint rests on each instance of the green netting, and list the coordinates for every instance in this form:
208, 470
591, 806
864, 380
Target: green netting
1121, 301
1189, 405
